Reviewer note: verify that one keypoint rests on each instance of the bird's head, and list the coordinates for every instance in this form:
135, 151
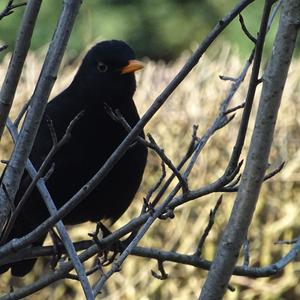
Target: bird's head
107, 72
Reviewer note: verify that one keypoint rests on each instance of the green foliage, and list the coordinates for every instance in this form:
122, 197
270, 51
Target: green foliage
160, 29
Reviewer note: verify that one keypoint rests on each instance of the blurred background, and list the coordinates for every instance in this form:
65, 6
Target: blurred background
164, 33
160, 29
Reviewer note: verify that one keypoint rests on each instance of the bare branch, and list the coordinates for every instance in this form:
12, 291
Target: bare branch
9, 8
117, 116
216, 186
246, 250
15, 168
246, 31
158, 254
227, 78
291, 242
13, 74
153, 145
94, 269
249, 99
233, 109
189, 152
50, 203
154, 188
3, 47
234, 188
274, 172
274, 13
163, 275
55, 148
257, 159
21, 113
77, 198
209, 226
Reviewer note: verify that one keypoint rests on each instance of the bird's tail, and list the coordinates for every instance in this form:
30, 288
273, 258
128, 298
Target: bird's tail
22, 267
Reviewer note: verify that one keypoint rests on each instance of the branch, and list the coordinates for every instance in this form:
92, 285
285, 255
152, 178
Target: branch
246, 31
209, 226
159, 255
9, 8
122, 148
3, 47
56, 146
183, 181
21, 113
220, 121
40, 183
65, 267
252, 87
190, 150
246, 250
15, 168
274, 13
257, 159
229, 174
117, 116
147, 203
163, 275
233, 187
15, 67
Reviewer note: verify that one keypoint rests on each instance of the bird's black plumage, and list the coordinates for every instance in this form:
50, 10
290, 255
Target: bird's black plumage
106, 76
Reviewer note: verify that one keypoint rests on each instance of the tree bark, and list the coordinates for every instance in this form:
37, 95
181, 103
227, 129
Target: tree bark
257, 159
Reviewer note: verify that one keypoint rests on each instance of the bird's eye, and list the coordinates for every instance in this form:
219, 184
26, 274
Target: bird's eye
102, 67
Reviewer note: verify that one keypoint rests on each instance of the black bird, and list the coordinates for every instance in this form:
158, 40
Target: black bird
105, 78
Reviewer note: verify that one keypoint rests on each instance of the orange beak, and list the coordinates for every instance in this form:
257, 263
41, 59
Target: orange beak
133, 65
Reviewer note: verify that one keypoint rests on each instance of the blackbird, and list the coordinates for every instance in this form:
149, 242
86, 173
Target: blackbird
105, 78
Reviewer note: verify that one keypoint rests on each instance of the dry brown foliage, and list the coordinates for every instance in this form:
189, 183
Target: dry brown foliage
195, 102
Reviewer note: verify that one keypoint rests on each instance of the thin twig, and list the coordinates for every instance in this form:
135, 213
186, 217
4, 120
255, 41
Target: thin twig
274, 172
284, 242
153, 145
91, 271
9, 8
216, 186
254, 81
21, 113
234, 188
158, 254
209, 226
55, 148
117, 116
15, 169
246, 251
189, 152
227, 78
154, 188
52, 208
130, 138
3, 47
15, 67
245, 29
163, 275
257, 158
49, 172
274, 13
234, 182
233, 109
